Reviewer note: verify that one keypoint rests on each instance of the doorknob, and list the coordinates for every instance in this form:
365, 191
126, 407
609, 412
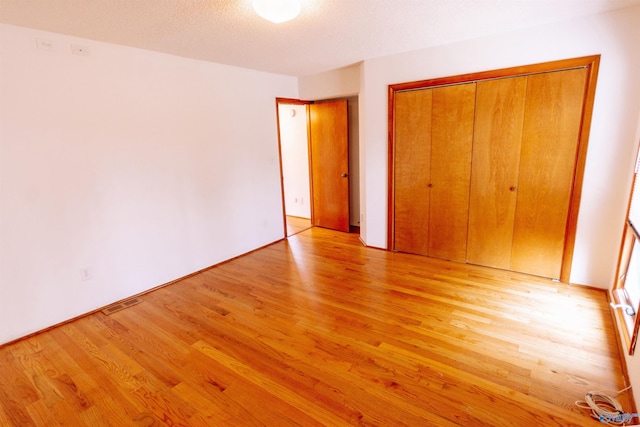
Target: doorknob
344, 175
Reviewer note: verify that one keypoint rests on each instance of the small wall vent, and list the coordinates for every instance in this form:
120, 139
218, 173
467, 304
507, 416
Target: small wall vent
121, 305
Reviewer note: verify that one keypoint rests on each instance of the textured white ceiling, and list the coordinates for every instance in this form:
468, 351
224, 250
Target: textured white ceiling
327, 34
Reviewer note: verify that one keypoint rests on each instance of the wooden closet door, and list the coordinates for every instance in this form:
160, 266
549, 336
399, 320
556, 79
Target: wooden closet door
412, 159
499, 118
451, 141
552, 125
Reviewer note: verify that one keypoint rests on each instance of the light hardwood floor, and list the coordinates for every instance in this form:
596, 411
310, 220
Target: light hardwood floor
296, 225
318, 330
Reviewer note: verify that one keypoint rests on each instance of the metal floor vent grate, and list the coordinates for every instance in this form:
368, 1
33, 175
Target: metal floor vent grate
121, 305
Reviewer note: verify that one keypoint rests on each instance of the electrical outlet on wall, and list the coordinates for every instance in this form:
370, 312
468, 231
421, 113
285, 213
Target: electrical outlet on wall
86, 274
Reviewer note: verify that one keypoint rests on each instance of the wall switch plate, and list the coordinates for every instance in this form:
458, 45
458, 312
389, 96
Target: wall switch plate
43, 44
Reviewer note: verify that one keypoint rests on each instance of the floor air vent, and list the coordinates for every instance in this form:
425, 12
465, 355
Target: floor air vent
121, 305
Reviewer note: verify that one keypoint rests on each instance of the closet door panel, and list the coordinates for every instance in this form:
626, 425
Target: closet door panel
411, 172
451, 141
550, 138
499, 119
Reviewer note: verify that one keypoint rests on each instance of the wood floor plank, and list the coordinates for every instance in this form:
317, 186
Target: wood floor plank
110, 383
16, 390
4, 418
254, 399
105, 413
264, 382
319, 330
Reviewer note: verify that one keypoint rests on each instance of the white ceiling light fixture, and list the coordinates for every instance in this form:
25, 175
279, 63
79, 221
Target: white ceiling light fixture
277, 11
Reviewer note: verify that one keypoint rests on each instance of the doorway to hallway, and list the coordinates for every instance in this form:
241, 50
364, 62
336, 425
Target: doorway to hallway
320, 183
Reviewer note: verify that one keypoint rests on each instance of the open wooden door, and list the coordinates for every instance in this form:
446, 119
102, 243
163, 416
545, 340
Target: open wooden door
329, 141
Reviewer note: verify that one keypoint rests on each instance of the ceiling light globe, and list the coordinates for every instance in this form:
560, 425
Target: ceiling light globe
277, 11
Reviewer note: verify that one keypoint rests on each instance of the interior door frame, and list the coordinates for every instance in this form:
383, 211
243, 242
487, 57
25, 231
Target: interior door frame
291, 101
590, 62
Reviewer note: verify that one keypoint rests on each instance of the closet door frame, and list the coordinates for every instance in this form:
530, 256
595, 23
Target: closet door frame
590, 62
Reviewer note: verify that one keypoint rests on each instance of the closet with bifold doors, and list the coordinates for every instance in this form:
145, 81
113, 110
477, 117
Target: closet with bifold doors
487, 168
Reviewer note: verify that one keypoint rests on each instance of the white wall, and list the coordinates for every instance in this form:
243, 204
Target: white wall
133, 166
340, 83
294, 146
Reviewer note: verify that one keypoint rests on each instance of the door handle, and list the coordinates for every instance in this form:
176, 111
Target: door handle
344, 175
